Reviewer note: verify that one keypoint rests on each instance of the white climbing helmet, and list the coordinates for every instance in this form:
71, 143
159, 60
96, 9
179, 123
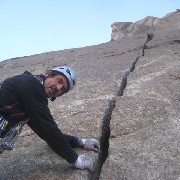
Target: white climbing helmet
69, 73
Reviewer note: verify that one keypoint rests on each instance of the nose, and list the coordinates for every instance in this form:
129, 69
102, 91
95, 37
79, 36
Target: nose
59, 86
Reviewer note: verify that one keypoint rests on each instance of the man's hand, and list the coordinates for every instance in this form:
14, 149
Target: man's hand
84, 162
90, 144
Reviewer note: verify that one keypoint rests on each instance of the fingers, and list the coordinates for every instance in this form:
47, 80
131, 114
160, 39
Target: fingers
96, 150
90, 167
92, 144
97, 145
92, 148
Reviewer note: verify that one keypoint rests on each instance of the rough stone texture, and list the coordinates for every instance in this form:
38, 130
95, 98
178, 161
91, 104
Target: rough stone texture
133, 112
121, 30
145, 128
80, 112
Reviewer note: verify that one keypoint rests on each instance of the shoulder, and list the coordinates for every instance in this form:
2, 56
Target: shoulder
25, 84
26, 79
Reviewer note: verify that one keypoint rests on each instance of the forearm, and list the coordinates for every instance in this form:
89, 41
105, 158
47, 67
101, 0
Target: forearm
73, 141
55, 139
65, 151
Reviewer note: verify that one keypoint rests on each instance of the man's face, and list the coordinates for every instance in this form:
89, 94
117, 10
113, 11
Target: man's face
55, 86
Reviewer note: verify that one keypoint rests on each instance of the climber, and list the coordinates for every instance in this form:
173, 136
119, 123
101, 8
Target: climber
24, 99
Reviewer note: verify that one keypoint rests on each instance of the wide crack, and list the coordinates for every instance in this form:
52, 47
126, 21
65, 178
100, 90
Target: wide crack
104, 140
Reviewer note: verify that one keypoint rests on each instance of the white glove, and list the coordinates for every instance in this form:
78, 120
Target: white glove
89, 144
84, 162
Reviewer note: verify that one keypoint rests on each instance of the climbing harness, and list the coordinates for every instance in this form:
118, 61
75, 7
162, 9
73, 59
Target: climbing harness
10, 137
3, 124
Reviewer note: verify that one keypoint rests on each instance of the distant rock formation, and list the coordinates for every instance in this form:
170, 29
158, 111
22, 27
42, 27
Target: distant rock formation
126, 29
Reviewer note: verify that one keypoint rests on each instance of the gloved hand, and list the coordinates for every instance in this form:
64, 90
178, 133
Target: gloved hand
84, 162
89, 144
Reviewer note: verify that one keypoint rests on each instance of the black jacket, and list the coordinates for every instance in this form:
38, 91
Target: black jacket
22, 97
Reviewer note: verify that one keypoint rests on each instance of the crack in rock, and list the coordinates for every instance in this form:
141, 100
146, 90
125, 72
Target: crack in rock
104, 140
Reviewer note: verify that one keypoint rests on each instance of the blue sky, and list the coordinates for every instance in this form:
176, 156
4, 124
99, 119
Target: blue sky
37, 26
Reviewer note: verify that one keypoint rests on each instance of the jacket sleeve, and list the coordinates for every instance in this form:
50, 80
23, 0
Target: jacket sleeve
73, 141
41, 120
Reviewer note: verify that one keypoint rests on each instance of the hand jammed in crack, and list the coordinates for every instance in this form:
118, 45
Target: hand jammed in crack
84, 161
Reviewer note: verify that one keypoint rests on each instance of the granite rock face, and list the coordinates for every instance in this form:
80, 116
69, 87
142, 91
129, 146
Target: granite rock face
127, 97
127, 29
